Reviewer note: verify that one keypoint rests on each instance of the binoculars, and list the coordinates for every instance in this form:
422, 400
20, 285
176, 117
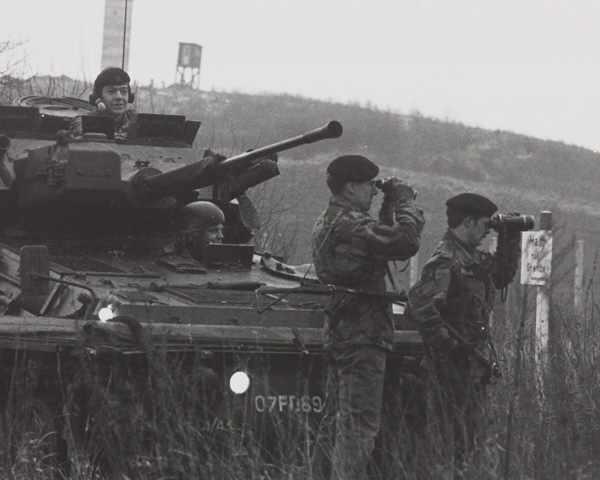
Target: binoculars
383, 185
519, 223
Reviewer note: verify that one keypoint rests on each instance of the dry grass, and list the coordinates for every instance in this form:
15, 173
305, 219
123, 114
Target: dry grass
150, 420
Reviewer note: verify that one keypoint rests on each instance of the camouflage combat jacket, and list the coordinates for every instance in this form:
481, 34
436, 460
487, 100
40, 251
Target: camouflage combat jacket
351, 249
458, 286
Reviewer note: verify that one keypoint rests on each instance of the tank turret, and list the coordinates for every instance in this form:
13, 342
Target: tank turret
95, 185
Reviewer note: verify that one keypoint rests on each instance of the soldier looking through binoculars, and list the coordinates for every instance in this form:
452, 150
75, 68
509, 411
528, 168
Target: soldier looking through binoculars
351, 249
451, 305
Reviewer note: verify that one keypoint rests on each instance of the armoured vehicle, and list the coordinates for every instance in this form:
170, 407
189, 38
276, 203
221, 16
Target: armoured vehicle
111, 351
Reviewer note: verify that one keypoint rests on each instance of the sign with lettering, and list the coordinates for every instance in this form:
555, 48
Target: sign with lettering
536, 257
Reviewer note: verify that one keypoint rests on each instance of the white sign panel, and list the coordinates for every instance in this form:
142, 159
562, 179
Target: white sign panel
536, 257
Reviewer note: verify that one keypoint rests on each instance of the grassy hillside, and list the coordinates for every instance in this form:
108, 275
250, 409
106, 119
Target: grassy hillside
414, 142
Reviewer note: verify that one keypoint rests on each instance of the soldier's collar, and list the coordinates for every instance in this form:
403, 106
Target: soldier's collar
344, 202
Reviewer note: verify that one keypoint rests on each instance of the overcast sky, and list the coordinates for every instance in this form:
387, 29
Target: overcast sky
527, 66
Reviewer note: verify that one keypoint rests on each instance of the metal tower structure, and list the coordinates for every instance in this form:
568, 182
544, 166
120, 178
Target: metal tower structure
188, 65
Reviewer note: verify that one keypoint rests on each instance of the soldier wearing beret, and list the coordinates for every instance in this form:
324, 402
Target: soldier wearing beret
456, 291
111, 95
351, 249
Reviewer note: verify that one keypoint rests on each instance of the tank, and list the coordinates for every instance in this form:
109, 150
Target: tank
109, 351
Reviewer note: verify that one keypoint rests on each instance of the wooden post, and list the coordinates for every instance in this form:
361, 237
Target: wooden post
542, 312
578, 280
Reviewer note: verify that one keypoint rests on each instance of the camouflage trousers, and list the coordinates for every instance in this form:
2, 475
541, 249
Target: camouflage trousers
459, 411
352, 415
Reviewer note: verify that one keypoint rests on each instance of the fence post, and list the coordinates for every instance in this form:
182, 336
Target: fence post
542, 312
578, 280
536, 269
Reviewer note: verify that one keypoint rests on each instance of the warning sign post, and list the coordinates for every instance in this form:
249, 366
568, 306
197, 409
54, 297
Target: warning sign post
536, 257
536, 269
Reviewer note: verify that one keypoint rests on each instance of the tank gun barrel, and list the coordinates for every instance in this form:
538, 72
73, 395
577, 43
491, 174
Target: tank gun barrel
150, 185
332, 130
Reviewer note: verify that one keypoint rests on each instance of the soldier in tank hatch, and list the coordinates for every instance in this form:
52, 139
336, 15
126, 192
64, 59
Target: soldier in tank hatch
198, 225
112, 96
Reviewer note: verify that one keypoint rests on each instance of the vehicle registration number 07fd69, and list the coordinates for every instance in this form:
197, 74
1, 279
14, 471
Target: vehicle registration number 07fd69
289, 403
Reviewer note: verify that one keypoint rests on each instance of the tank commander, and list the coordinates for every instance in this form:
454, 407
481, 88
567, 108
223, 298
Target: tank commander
451, 304
198, 225
111, 96
351, 249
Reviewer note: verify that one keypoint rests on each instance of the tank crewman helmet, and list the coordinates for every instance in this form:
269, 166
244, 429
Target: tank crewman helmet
353, 168
472, 204
200, 224
200, 214
108, 77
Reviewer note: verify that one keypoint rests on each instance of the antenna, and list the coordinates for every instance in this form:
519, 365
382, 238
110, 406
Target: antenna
124, 37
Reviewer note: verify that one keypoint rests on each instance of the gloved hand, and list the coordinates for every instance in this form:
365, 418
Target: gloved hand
396, 189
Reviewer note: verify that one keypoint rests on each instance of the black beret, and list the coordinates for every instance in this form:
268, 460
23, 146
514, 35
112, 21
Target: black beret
472, 204
353, 168
110, 76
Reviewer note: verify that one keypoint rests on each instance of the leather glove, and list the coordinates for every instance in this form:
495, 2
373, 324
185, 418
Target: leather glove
396, 189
